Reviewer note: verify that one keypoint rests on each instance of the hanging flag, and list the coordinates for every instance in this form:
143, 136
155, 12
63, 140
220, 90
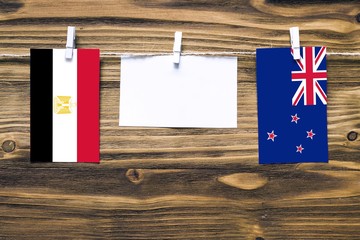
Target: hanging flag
292, 105
64, 105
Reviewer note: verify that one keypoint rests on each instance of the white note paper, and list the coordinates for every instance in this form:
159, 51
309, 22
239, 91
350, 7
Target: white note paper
200, 92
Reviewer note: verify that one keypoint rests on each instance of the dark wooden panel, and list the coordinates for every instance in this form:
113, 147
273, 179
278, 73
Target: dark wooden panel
165, 183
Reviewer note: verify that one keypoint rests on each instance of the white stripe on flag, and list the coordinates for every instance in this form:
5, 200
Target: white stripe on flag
64, 122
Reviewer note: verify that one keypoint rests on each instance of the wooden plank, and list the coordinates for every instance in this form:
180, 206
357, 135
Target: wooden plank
181, 204
149, 25
180, 183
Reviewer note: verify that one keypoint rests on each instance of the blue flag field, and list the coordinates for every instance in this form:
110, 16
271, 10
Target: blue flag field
292, 100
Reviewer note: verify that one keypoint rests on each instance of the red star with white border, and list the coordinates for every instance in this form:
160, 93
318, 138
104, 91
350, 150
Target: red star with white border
299, 149
310, 134
295, 118
271, 136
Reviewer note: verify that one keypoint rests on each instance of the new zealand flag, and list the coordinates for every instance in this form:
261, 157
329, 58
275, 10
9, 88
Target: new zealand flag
292, 105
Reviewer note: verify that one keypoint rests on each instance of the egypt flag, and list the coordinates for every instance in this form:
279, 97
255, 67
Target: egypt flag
64, 105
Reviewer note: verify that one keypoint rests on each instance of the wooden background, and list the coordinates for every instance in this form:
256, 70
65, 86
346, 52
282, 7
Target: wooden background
180, 183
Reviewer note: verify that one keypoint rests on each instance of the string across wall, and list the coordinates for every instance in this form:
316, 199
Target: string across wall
119, 54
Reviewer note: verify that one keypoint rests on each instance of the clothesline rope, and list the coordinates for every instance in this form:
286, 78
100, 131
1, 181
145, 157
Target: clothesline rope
119, 54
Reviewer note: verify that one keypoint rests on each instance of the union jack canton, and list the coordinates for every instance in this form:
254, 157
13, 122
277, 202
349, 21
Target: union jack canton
309, 74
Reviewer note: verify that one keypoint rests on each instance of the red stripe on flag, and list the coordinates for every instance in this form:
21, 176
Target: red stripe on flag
300, 64
321, 91
309, 76
88, 105
298, 97
298, 60
319, 54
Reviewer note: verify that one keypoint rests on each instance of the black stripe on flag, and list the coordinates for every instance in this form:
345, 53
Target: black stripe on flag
41, 84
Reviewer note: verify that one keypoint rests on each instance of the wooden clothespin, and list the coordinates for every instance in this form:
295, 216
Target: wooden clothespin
295, 42
70, 42
177, 47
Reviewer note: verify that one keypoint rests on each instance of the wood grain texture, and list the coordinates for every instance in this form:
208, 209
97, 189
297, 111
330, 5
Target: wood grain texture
166, 183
